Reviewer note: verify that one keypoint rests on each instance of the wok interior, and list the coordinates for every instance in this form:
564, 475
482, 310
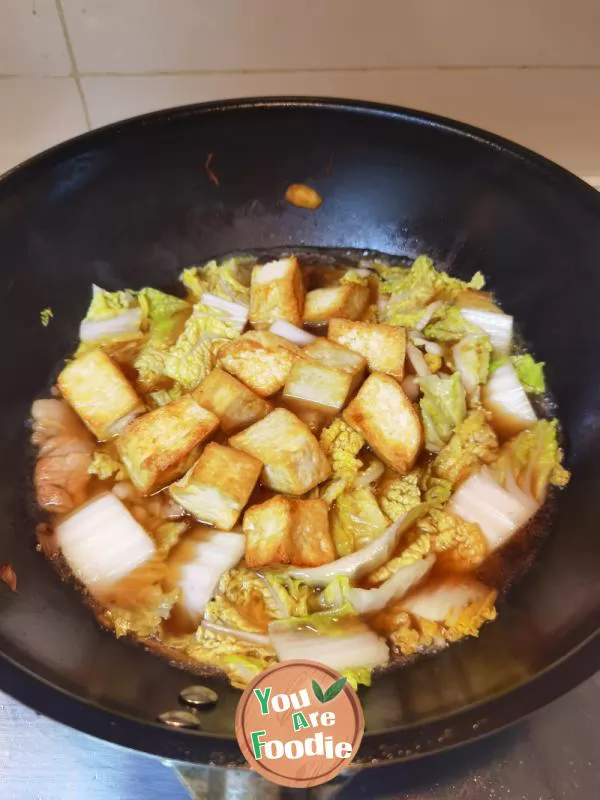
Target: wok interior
132, 207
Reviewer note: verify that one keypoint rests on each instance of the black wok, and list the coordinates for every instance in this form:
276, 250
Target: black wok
132, 204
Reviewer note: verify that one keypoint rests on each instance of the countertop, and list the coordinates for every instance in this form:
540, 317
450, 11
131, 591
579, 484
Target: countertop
552, 755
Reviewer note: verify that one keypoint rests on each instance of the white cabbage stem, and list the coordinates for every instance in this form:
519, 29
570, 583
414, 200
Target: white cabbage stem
465, 358
102, 543
418, 363
227, 306
434, 348
128, 322
208, 554
498, 512
370, 474
429, 312
504, 396
235, 314
119, 426
245, 636
366, 601
416, 338
292, 333
439, 601
280, 606
524, 497
362, 648
364, 560
499, 327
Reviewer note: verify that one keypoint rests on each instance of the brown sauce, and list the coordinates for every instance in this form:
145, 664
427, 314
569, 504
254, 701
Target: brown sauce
499, 571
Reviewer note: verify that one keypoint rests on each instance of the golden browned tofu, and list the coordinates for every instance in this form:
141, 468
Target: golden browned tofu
218, 486
160, 446
231, 400
388, 421
349, 301
293, 461
268, 529
312, 544
288, 531
260, 359
315, 417
270, 339
277, 292
384, 346
333, 355
97, 390
321, 386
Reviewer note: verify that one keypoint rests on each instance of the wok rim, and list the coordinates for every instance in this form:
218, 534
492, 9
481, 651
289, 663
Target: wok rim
403, 743
406, 743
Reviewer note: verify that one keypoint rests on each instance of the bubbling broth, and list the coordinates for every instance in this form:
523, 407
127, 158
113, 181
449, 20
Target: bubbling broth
307, 452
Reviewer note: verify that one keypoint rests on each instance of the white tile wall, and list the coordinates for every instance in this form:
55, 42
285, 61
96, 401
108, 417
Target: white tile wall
169, 35
528, 69
43, 112
519, 104
31, 39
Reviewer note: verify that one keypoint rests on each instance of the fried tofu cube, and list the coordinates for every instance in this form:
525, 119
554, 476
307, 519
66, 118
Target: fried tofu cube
321, 386
293, 461
231, 400
260, 359
349, 300
218, 486
277, 292
334, 355
312, 544
315, 417
270, 339
388, 421
288, 531
97, 390
268, 531
384, 346
158, 447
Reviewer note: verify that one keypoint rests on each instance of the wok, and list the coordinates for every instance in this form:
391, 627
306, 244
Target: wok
131, 205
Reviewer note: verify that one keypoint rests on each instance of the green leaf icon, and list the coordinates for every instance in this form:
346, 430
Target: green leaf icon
318, 692
334, 689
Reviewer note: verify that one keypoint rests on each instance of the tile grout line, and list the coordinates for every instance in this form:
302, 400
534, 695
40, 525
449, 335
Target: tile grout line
74, 73
77, 75
293, 70
32, 76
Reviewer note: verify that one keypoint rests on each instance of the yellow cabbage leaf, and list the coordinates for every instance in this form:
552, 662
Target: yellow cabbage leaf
473, 443
230, 279
356, 519
105, 466
533, 459
105, 305
399, 495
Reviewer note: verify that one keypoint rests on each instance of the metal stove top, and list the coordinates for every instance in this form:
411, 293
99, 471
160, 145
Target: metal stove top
553, 755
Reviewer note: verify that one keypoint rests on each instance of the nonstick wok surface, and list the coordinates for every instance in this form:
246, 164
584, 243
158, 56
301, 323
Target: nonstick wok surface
131, 205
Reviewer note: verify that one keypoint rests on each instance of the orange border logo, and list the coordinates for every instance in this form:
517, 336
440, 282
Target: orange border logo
299, 724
